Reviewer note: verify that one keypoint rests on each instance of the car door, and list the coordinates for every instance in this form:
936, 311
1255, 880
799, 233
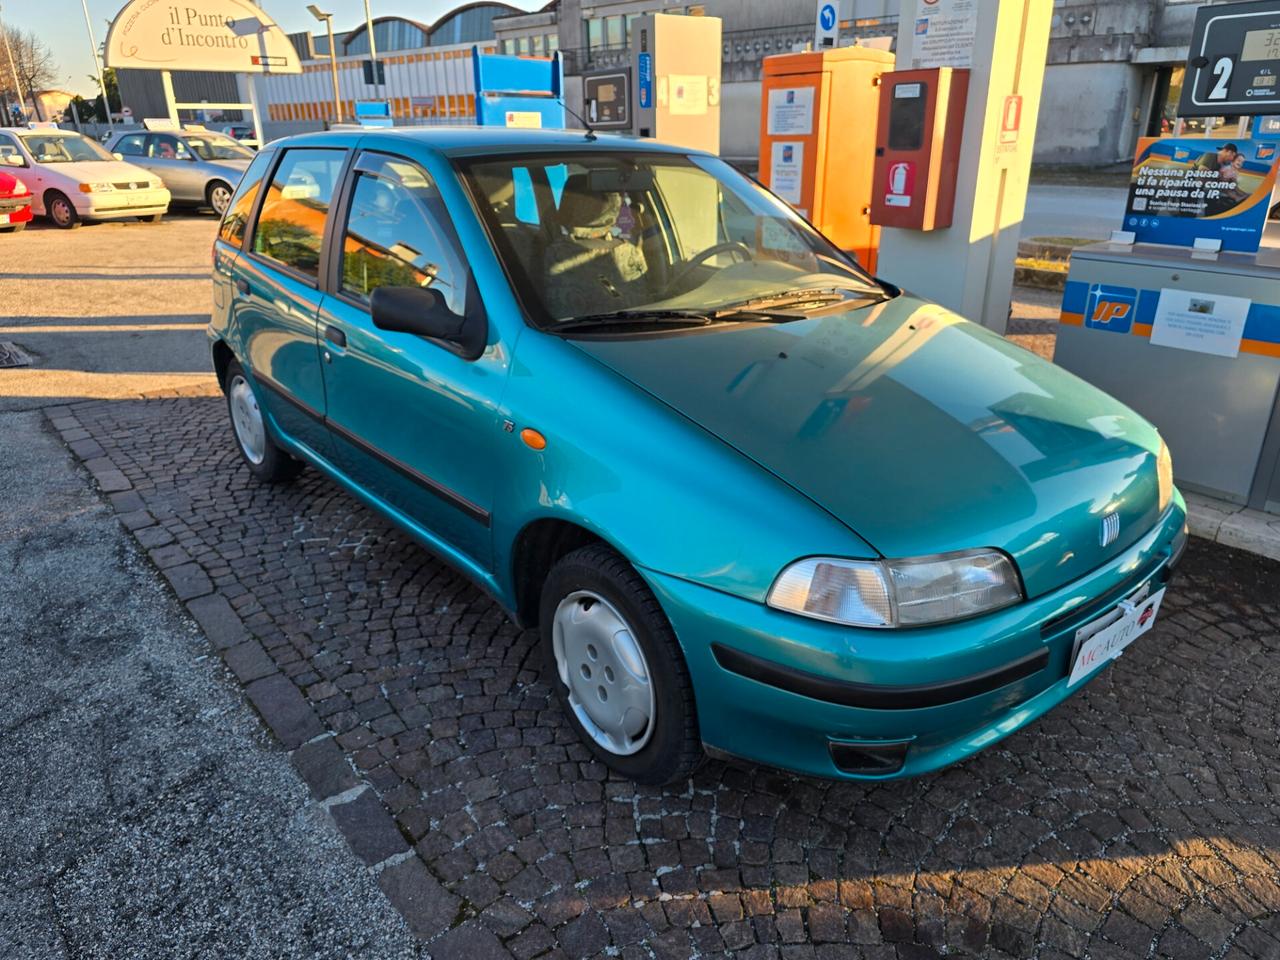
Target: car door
278, 292
412, 420
171, 160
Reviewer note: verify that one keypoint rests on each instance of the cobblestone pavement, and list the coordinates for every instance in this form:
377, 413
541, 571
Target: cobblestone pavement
1139, 819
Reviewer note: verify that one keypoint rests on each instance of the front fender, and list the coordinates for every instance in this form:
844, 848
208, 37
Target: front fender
666, 494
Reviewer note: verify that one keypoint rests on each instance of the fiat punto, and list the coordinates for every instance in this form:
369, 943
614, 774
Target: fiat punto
754, 501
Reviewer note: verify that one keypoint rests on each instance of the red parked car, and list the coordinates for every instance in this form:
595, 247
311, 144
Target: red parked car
15, 203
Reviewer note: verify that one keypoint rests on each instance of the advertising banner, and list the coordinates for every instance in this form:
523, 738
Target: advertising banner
1188, 188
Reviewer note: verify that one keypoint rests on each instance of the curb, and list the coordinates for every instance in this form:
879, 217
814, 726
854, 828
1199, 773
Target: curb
365, 822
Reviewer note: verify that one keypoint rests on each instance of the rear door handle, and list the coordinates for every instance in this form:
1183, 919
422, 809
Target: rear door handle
242, 286
335, 336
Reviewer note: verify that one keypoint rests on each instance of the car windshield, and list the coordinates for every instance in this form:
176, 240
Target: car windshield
212, 146
609, 237
62, 147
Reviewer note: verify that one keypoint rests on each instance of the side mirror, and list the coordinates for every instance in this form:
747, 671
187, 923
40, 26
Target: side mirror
423, 312
13, 160
118, 155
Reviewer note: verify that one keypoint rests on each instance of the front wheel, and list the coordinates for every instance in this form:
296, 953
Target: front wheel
61, 211
219, 196
617, 669
265, 460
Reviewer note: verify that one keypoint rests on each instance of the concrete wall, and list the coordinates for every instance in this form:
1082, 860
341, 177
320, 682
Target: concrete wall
1087, 113
740, 121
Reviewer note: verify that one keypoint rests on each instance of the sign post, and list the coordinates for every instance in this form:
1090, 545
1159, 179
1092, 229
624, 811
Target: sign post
225, 36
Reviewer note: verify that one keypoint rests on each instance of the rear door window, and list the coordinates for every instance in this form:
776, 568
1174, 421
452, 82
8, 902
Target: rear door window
290, 227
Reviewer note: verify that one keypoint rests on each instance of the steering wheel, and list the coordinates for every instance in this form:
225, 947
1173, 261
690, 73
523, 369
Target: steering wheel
728, 246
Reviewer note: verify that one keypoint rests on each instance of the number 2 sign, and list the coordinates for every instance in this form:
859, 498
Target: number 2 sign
1233, 63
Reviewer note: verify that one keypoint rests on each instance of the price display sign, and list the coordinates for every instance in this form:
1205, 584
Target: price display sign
1234, 62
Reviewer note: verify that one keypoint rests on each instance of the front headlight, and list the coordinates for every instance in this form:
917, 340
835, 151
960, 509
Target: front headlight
19, 188
96, 188
897, 593
1164, 475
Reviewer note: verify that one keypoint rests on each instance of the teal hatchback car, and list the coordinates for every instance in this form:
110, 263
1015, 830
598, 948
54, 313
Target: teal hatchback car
755, 501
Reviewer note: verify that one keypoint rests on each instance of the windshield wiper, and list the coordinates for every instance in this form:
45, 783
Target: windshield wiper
796, 298
680, 317
684, 318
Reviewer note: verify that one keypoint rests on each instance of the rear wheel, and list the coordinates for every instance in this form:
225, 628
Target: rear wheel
218, 195
617, 668
261, 455
61, 210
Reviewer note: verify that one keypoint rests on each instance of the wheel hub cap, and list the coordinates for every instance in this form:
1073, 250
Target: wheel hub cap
247, 419
602, 666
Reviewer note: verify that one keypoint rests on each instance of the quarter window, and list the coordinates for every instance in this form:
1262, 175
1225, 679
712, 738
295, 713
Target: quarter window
290, 228
399, 234
133, 145
237, 215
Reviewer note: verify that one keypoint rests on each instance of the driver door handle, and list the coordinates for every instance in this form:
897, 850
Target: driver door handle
335, 336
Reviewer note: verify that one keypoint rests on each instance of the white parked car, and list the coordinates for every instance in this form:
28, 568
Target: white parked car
73, 178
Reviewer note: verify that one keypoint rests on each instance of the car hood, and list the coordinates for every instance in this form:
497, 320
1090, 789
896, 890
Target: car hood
920, 431
99, 171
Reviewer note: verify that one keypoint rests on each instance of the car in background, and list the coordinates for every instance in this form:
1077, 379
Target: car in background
238, 131
200, 168
755, 500
15, 203
73, 178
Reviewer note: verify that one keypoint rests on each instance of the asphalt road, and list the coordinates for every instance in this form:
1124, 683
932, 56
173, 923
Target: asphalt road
145, 811
110, 310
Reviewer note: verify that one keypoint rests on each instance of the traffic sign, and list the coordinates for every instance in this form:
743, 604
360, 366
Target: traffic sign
1233, 64
827, 30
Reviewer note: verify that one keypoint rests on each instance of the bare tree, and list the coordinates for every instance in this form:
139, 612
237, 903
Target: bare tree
37, 69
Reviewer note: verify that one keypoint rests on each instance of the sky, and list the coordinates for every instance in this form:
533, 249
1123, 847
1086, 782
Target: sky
60, 23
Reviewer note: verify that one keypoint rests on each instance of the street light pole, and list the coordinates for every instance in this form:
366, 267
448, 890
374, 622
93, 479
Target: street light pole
333, 59
17, 84
97, 63
373, 50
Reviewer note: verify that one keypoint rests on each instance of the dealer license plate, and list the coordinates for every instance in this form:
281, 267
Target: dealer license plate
1102, 640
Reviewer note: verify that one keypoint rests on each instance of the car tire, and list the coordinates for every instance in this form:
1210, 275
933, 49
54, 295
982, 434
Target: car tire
587, 654
60, 210
152, 218
218, 196
258, 449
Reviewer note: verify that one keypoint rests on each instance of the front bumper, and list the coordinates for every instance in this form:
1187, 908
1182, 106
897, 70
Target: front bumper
798, 693
122, 203
16, 208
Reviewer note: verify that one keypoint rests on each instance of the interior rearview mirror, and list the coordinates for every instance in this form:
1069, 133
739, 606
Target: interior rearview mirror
423, 311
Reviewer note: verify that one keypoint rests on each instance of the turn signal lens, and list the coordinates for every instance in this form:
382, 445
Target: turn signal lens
533, 439
897, 593
1164, 475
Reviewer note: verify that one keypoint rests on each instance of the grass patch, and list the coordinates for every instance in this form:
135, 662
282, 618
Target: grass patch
1034, 263
1062, 241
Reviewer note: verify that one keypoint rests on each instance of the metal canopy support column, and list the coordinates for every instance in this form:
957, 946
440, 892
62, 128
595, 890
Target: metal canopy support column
173, 106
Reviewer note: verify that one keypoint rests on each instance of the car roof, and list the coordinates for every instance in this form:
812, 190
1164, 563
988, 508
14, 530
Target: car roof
463, 141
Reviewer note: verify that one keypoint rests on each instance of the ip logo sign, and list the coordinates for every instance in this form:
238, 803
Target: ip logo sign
1110, 308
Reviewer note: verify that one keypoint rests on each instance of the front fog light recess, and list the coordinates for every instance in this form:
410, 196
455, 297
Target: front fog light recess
897, 593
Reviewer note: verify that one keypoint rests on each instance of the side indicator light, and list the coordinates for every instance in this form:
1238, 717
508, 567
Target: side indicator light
533, 439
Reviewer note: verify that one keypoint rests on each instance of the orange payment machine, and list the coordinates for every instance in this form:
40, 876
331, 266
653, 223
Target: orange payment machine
819, 110
918, 147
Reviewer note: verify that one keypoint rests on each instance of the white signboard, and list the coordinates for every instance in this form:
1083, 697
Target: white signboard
826, 31
944, 33
1203, 322
786, 170
688, 95
228, 36
790, 112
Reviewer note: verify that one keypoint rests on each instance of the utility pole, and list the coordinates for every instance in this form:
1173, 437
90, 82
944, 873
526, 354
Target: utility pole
333, 59
17, 84
97, 63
